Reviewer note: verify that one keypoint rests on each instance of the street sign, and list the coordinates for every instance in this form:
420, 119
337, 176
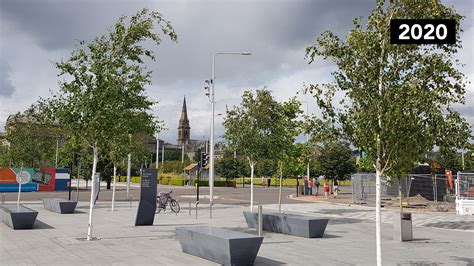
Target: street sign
23, 177
147, 205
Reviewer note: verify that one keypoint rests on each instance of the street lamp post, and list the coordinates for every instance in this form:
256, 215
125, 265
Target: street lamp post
157, 148
307, 142
211, 155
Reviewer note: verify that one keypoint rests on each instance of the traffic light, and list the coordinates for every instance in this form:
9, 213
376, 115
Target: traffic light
204, 159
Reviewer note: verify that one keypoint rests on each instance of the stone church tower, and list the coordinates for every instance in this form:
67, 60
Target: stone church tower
184, 130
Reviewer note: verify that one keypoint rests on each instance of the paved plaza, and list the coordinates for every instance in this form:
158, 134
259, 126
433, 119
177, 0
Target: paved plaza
56, 239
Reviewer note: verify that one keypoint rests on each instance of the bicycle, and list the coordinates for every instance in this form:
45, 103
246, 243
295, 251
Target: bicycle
163, 199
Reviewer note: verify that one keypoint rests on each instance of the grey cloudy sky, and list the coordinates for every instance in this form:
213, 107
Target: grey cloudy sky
35, 33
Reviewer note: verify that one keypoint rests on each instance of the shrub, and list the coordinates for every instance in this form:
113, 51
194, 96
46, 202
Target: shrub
217, 183
176, 181
165, 181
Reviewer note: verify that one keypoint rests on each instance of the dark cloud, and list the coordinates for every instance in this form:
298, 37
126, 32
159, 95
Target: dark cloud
270, 29
6, 87
33, 33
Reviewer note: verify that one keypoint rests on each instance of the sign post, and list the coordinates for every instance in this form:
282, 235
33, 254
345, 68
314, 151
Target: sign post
23, 177
147, 205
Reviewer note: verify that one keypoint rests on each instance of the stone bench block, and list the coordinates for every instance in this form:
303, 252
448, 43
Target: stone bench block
18, 216
59, 205
219, 245
290, 224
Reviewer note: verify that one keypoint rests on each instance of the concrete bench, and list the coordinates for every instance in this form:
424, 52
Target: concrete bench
59, 205
290, 224
18, 216
219, 245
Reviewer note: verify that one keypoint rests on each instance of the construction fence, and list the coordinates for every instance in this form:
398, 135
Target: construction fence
415, 188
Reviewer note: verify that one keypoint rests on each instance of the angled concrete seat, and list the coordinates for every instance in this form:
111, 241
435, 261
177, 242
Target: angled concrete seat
290, 224
18, 216
219, 245
59, 205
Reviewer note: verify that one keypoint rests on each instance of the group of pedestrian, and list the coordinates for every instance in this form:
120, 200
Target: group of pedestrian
268, 179
315, 182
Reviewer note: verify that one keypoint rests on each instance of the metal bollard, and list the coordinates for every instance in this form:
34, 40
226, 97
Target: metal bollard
260, 220
3, 198
190, 209
130, 200
210, 210
197, 203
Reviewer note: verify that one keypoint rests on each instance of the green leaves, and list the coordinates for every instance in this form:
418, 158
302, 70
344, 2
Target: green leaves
261, 127
396, 97
335, 160
102, 98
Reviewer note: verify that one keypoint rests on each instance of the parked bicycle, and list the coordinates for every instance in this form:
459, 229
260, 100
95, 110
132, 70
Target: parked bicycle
164, 199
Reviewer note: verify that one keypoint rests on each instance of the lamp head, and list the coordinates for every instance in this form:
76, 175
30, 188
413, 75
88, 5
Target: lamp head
246, 53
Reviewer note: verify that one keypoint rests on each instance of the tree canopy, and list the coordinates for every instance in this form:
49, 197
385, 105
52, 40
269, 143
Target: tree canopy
398, 99
259, 127
335, 160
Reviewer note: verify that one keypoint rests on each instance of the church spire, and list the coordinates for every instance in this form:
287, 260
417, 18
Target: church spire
184, 128
184, 113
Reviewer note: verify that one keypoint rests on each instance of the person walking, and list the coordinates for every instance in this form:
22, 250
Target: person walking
263, 181
310, 186
305, 185
335, 188
326, 189
269, 181
316, 185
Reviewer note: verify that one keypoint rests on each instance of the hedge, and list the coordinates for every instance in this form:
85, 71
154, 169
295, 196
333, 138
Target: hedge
164, 180
133, 179
288, 182
217, 183
175, 181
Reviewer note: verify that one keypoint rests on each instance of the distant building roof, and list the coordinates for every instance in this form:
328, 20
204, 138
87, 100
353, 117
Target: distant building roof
190, 167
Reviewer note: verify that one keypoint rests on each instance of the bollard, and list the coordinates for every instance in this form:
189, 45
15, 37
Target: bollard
190, 209
3, 198
260, 220
197, 203
130, 200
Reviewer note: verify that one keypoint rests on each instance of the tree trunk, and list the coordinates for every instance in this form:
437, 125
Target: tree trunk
378, 239
279, 192
91, 205
129, 173
108, 183
400, 193
252, 166
113, 189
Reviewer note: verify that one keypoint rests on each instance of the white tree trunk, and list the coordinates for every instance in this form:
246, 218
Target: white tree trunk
378, 237
252, 166
279, 192
113, 188
91, 205
129, 173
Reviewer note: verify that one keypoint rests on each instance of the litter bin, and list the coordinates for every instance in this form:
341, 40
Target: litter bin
402, 226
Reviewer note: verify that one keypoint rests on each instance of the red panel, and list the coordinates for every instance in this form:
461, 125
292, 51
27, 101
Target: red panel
7, 176
52, 181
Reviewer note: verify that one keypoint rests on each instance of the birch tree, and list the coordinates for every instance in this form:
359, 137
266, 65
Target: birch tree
258, 128
397, 99
102, 93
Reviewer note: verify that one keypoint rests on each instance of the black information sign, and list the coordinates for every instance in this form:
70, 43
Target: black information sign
423, 31
147, 205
